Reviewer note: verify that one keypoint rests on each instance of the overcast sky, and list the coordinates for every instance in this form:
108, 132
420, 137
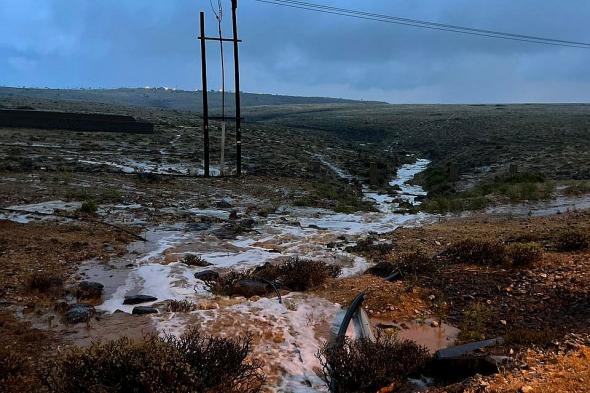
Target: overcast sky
131, 43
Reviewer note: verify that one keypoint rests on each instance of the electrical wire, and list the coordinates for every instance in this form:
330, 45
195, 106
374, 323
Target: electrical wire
424, 24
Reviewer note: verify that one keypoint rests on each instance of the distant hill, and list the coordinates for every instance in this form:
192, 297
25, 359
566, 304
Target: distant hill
166, 98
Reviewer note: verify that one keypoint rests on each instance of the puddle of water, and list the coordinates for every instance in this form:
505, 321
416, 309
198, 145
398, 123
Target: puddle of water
433, 338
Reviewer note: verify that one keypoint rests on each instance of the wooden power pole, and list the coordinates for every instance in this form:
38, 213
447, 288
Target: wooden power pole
235, 40
205, 102
234, 6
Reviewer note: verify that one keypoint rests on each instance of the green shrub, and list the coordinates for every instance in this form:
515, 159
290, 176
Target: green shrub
525, 254
365, 366
191, 363
572, 240
480, 252
474, 321
89, 207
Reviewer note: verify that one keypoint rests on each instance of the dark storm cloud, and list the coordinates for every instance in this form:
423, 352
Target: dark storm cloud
108, 43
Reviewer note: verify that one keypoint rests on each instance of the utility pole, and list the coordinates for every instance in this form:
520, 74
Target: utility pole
205, 102
234, 6
206, 117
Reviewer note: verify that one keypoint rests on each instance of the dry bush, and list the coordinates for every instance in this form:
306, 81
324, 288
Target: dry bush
297, 274
225, 285
365, 366
11, 365
411, 263
195, 260
572, 240
191, 363
369, 246
293, 274
480, 252
181, 306
525, 254
44, 282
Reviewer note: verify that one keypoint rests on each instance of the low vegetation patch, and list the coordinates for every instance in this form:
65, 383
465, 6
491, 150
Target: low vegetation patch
480, 252
525, 254
409, 263
88, 207
195, 260
495, 253
524, 336
297, 274
365, 366
45, 282
191, 363
474, 321
338, 196
369, 246
518, 187
293, 274
181, 306
572, 240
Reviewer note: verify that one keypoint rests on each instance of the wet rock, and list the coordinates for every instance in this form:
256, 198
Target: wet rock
233, 215
143, 310
199, 226
223, 204
79, 312
231, 230
136, 299
207, 275
89, 290
249, 288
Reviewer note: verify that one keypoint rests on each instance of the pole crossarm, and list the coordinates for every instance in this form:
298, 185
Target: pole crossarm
218, 39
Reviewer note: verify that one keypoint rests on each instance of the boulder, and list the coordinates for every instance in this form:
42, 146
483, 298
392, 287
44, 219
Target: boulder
89, 290
249, 288
207, 275
137, 299
143, 310
79, 312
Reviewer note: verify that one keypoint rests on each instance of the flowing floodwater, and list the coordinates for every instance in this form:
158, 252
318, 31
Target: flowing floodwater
291, 332
286, 336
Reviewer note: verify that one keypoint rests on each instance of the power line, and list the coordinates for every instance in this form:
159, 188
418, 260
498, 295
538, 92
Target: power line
424, 24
